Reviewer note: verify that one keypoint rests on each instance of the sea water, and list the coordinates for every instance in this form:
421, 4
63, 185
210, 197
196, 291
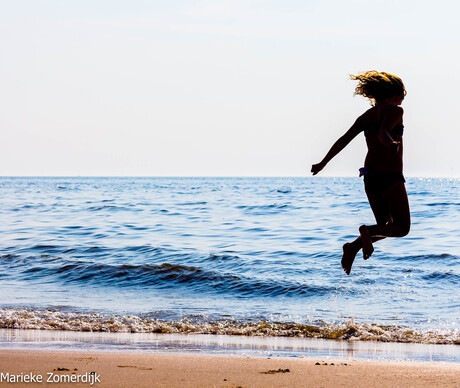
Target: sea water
252, 256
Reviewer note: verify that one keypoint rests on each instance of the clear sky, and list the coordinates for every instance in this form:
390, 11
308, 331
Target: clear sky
219, 88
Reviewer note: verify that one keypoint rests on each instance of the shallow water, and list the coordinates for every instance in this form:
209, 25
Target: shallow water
225, 251
224, 345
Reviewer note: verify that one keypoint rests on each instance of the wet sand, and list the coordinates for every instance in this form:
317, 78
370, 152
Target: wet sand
185, 370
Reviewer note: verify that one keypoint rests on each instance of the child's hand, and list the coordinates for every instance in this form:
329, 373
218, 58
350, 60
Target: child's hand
316, 168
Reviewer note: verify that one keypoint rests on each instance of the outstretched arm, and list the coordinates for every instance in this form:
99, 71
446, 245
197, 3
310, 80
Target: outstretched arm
339, 145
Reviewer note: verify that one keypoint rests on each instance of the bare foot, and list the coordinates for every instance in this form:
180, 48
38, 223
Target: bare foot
368, 248
349, 254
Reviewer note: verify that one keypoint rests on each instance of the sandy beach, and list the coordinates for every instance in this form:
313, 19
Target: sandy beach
185, 370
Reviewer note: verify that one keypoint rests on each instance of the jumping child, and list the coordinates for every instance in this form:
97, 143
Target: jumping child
383, 167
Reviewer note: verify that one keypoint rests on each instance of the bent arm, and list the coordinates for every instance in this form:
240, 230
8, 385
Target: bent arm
339, 145
392, 117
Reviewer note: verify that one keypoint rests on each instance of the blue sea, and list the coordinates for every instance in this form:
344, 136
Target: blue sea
246, 256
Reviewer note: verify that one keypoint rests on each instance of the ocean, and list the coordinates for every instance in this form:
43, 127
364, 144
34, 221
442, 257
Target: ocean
243, 256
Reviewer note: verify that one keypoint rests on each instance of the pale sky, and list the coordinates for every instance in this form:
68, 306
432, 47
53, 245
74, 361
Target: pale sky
219, 88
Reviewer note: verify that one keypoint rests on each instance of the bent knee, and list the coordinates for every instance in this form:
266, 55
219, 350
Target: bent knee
401, 230
405, 229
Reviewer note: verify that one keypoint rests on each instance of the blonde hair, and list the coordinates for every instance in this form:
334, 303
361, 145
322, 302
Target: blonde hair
378, 85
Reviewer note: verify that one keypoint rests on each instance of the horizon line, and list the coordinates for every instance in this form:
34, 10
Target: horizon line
212, 176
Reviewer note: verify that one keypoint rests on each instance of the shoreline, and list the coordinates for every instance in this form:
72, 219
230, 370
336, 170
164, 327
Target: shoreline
224, 345
36, 319
185, 370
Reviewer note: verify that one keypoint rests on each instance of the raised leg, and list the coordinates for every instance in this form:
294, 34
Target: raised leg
398, 206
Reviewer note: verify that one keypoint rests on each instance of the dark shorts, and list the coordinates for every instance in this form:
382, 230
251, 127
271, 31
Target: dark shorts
379, 182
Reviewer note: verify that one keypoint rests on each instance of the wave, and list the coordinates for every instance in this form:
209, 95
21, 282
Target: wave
283, 190
442, 204
16, 318
192, 203
161, 276
153, 267
447, 276
444, 257
112, 208
266, 209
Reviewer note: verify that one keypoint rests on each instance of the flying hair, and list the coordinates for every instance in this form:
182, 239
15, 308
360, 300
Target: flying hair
378, 85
